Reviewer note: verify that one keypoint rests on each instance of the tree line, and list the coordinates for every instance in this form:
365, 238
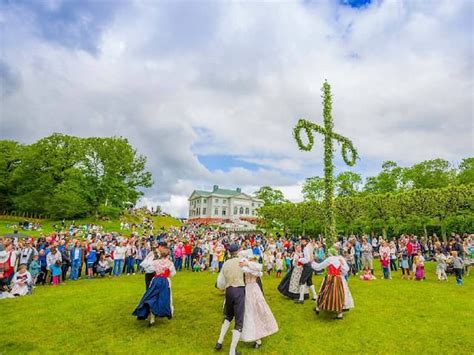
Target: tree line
63, 176
429, 197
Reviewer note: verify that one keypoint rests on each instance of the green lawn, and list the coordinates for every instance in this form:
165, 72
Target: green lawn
109, 226
94, 316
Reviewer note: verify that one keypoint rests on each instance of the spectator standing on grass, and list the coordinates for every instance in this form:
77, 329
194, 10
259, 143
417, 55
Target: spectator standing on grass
53, 258
76, 260
393, 256
26, 254
119, 257
66, 259
34, 269
130, 253
458, 264
188, 255
367, 256
178, 256
91, 258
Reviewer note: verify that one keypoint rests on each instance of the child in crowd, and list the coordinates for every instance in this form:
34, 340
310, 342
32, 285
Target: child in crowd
458, 264
91, 258
350, 263
441, 266
103, 266
197, 264
279, 264
203, 263
34, 269
419, 267
288, 261
367, 275
404, 265
268, 259
385, 262
56, 272
21, 282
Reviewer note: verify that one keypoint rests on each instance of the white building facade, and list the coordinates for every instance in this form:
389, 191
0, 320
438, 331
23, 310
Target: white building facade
222, 204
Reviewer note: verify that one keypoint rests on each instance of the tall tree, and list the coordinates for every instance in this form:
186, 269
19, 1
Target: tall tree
10, 158
313, 189
348, 184
270, 196
430, 174
390, 179
465, 174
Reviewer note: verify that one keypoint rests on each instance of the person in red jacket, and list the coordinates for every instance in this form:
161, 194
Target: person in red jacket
188, 250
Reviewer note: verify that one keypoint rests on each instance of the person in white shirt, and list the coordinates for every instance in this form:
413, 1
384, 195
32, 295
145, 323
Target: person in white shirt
119, 257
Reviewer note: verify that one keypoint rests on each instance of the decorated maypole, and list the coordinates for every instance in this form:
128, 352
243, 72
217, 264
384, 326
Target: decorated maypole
349, 154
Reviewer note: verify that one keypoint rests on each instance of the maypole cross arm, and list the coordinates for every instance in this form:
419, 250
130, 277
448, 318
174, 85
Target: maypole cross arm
349, 153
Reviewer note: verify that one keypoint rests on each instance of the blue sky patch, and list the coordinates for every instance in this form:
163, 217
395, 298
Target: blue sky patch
225, 163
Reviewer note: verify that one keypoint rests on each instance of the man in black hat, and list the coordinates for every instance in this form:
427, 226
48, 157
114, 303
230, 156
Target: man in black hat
306, 279
231, 279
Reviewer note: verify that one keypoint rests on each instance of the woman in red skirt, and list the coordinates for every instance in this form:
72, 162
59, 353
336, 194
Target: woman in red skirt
331, 296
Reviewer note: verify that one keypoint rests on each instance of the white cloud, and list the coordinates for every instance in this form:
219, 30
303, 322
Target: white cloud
401, 72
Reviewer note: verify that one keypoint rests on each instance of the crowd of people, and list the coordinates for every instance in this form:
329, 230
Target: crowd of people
87, 252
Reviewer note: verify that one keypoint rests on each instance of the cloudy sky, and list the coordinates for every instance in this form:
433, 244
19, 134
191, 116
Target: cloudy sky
209, 91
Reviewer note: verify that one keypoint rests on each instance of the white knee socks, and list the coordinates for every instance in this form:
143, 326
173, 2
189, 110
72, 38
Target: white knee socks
224, 329
235, 340
313, 291
302, 290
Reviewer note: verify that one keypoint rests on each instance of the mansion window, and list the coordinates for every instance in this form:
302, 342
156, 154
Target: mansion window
216, 200
204, 210
224, 201
204, 201
223, 211
247, 211
241, 211
253, 213
216, 211
235, 210
253, 204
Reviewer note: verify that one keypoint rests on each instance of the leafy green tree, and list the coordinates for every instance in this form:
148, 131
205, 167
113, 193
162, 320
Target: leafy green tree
10, 157
348, 184
313, 189
390, 179
465, 174
430, 174
67, 176
270, 196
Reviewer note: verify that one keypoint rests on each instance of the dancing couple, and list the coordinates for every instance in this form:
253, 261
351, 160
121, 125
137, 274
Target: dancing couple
299, 279
244, 301
157, 300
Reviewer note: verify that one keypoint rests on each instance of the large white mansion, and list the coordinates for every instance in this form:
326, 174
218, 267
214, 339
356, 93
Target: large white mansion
222, 204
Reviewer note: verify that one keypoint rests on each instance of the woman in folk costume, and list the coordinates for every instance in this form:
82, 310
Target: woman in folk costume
290, 284
259, 321
348, 300
331, 294
157, 300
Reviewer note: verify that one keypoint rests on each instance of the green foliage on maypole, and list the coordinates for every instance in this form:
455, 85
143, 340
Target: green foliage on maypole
329, 136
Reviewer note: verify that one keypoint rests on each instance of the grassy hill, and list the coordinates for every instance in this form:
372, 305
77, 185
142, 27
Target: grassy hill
6, 225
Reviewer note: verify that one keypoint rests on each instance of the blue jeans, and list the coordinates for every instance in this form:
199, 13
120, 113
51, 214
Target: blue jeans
178, 263
118, 264
188, 262
130, 264
76, 264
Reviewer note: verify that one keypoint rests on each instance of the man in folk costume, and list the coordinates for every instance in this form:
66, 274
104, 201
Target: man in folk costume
332, 294
231, 279
306, 279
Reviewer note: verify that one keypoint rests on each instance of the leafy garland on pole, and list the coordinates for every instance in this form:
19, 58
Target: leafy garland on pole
349, 155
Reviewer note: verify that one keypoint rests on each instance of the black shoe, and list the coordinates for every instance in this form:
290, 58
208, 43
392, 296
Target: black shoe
314, 299
257, 345
299, 302
316, 311
218, 346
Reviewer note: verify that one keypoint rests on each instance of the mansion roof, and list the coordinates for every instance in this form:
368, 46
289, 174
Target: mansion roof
221, 192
